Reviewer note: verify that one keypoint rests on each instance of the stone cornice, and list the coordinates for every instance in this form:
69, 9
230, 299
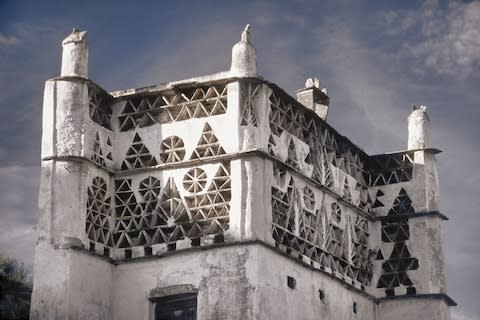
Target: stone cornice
428, 296
399, 217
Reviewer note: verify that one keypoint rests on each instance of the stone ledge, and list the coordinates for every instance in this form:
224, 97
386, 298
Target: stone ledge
171, 291
428, 150
433, 296
399, 217
428, 296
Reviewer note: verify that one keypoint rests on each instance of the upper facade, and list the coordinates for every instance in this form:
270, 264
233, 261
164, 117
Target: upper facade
229, 158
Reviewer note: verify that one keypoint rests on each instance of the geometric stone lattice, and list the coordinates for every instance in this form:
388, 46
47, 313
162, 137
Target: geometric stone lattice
184, 104
285, 117
138, 155
210, 209
98, 227
305, 228
378, 203
402, 204
208, 145
336, 212
98, 155
360, 252
327, 148
308, 198
161, 214
366, 201
195, 180
390, 168
249, 93
291, 155
283, 215
346, 191
100, 109
337, 246
172, 150
394, 269
395, 231
353, 165
327, 180
126, 209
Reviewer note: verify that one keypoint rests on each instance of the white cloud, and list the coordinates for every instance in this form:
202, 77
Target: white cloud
367, 101
442, 40
8, 40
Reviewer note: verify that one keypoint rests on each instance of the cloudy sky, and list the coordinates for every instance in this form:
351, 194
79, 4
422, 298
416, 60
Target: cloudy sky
376, 59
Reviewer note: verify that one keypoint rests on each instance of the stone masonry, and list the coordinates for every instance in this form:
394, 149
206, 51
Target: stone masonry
223, 197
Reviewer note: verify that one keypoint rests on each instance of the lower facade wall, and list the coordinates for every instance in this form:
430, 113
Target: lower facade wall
70, 284
244, 281
277, 301
413, 309
224, 278
237, 282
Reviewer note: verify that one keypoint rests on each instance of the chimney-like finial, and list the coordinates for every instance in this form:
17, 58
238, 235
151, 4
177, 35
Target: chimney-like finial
314, 97
419, 128
312, 82
246, 34
244, 59
75, 55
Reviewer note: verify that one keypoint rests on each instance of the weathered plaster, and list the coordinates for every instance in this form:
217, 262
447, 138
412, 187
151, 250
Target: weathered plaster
244, 61
225, 185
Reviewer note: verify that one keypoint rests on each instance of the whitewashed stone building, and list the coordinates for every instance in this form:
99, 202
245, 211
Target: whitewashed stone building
223, 197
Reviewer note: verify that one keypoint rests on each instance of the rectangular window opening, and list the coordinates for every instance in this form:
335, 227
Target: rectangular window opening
176, 307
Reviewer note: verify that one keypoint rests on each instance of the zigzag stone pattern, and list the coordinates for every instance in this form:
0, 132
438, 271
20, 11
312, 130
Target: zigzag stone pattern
390, 168
178, 105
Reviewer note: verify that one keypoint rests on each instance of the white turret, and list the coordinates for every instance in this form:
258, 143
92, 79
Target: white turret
419, 129
75, 55
244, 60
